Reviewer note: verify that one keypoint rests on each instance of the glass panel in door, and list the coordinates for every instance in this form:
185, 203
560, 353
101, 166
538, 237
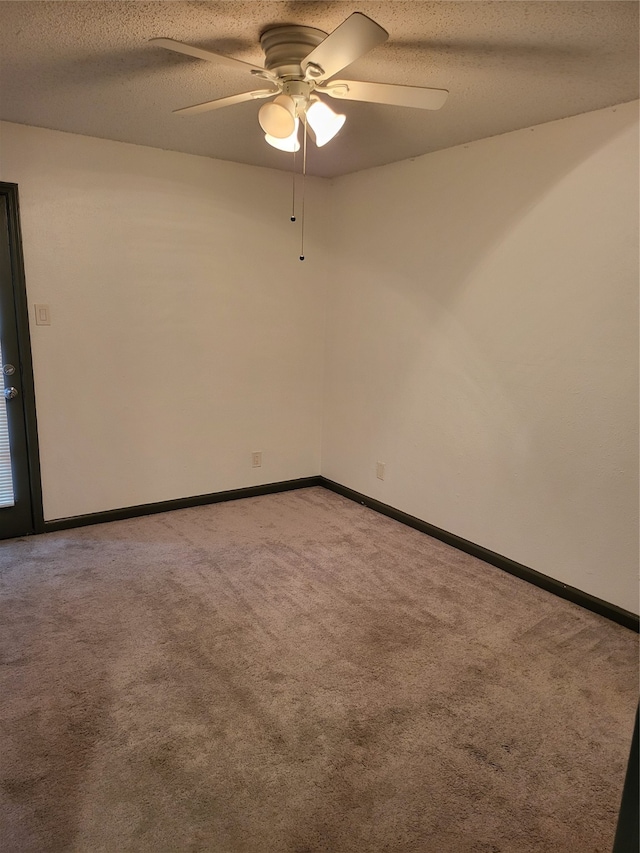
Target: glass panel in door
7, 496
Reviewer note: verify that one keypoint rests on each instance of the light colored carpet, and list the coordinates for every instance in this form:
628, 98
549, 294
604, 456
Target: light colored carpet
295, 673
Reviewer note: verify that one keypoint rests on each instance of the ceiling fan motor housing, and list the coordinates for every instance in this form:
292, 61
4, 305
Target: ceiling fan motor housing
286, 47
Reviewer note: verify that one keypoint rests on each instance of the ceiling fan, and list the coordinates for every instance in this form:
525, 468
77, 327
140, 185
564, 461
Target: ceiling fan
300, 64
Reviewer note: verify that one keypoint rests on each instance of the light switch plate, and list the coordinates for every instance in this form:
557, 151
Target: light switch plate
43, 315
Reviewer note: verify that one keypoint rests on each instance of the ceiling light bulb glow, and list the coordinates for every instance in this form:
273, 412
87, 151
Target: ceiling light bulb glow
278, 117
289, 143
324, 122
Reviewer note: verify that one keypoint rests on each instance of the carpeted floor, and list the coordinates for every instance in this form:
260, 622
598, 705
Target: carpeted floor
295, 673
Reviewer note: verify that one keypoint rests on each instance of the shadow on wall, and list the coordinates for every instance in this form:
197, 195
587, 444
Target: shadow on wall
479, 341
444, 212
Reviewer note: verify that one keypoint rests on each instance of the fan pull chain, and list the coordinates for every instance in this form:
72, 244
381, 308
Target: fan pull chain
304, 173
293, 191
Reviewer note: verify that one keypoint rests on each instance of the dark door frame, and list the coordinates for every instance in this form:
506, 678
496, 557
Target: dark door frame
10, 192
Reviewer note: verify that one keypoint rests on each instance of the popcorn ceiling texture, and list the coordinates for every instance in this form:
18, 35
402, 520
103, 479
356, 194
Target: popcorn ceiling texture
87, 68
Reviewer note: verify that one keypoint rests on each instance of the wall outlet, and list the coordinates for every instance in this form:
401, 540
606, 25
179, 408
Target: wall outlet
256, 459
380, 470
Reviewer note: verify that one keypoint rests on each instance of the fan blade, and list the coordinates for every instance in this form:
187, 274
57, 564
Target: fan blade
348, 42
210, 56
226, 102
386, 93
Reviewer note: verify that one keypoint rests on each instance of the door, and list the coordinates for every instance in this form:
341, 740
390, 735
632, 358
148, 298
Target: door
20, 494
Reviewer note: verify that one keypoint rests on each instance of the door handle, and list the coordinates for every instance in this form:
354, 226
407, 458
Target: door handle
10, 393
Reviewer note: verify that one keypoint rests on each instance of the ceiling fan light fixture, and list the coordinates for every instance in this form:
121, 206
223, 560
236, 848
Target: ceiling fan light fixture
289, 143
324, 122
278, 117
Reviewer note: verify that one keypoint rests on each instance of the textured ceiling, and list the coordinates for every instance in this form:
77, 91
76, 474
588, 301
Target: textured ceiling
87, 67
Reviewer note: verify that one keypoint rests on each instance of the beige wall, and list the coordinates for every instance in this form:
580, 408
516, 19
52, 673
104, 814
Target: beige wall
481, 337
185, 332
483, 343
